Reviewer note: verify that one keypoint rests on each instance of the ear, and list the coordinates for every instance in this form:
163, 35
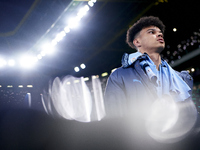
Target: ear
136, 42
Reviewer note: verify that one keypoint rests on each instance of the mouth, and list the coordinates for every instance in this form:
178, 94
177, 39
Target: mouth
161, 40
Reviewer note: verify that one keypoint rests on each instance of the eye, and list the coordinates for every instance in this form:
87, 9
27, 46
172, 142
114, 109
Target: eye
151, 32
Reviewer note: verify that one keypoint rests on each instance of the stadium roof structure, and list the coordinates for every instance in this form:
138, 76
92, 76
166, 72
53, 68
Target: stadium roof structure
98, 41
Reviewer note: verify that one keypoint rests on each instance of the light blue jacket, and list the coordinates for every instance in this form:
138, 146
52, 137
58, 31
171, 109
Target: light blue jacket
129, 87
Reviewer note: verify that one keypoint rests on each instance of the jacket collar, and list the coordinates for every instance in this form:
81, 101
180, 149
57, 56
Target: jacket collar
129, 59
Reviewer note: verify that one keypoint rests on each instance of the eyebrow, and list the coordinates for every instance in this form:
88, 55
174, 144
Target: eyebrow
153, 30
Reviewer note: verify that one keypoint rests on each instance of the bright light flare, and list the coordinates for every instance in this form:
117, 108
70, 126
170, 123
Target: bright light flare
28, 61
9, 86
60, 36
29, 86
94, 1
20, 86
83, 11
83, 66
104, 74
86, 8
90, 3
86, 79
170, 121
2, 62
39, 56
74, 22
11, 62
47, 48
54, 42
67, 29
174, 29
73, 100
95, 77
192, 69
76, 69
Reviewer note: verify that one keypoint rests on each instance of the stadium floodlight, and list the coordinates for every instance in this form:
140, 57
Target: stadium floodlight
76, 69
95, 76
73, 22
90, 3
174, 29
47, 48
82, 12
94, 1
60, 36
86, 8
67, 29
28, 61
29, 86
192, 69
83, 66
54, 42
11, 62
20, 86
104, 74
2, 62
43, 53
39, 56
44, 50
86, 79
9, 86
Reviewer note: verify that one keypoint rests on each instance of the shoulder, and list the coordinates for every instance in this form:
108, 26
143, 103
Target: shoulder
186, 77
117, 74
122, 72
118, 71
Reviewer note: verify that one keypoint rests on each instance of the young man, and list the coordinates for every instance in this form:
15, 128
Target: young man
144, 76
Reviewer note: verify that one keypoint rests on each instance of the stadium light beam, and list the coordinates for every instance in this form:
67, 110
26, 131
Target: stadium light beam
72, 23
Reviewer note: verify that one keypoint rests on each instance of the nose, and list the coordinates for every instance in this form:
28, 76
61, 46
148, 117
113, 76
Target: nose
160, 34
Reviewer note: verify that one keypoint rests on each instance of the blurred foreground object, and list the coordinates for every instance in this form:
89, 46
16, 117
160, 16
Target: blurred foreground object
170, 121
72, 99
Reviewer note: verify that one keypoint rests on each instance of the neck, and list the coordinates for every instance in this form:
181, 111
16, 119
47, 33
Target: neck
155, 57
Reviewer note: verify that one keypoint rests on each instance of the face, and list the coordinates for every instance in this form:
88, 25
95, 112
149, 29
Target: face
150, 39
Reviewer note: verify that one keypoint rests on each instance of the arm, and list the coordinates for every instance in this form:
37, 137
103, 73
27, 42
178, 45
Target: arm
115, 98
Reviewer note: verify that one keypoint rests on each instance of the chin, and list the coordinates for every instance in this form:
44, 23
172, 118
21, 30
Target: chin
160, 49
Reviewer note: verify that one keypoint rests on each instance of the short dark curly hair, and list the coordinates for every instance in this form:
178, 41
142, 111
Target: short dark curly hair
139, 25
